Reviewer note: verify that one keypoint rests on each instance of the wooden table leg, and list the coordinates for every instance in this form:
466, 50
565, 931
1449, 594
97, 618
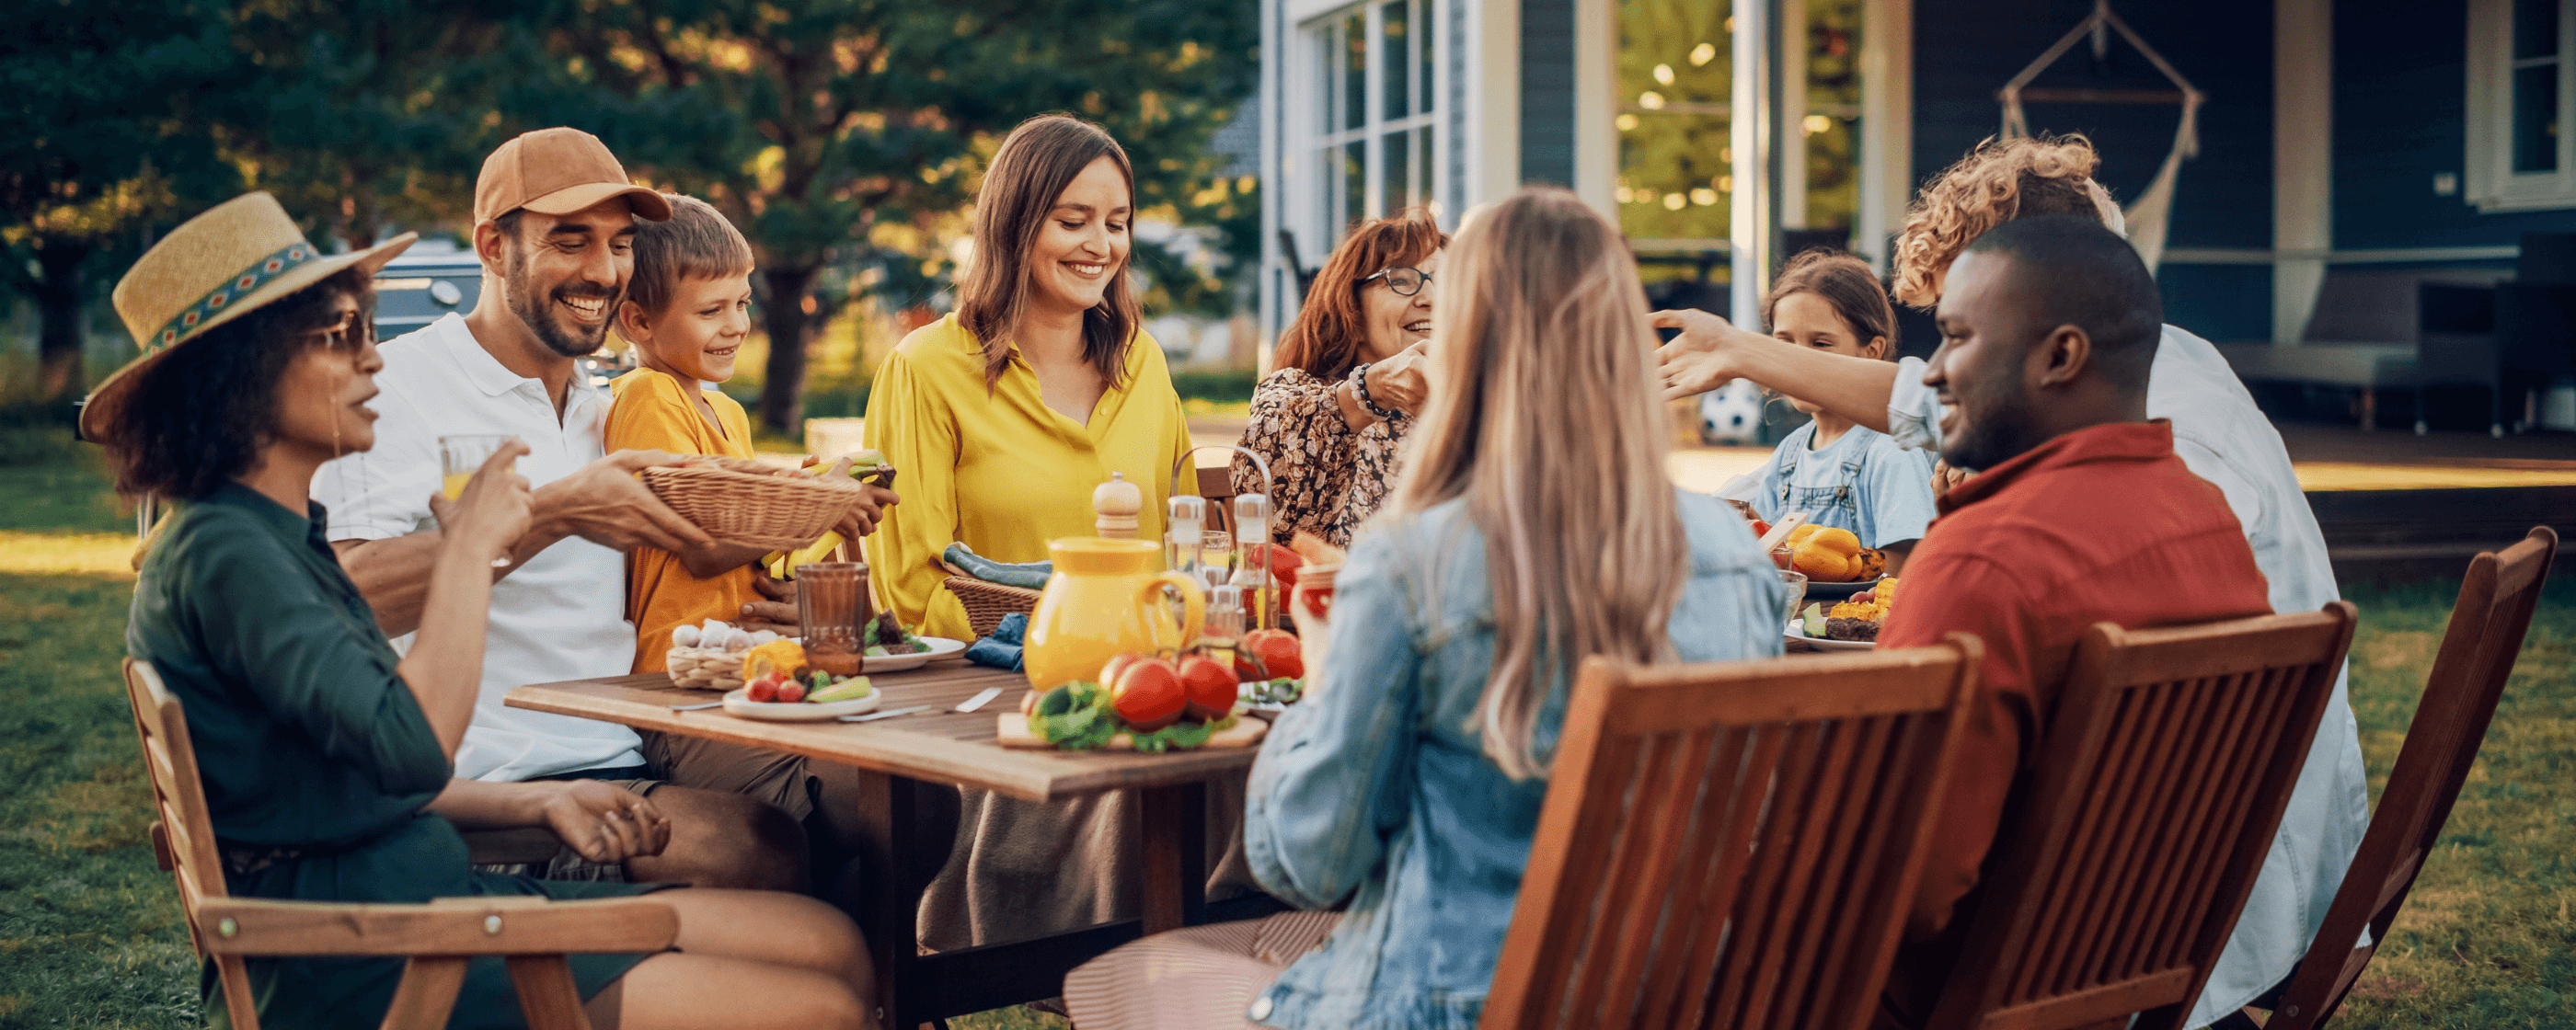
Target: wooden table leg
1175, 855
897, 860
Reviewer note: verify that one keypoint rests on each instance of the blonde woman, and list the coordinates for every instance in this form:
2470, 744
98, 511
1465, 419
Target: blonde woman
1409, 784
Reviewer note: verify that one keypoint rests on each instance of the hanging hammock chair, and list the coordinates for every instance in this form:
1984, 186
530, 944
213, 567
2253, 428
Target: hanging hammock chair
2147, 215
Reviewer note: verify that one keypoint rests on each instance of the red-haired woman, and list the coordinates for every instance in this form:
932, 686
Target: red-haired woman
1348, 379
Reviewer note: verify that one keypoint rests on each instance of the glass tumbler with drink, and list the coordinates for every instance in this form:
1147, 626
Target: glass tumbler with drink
832, 610
459, 457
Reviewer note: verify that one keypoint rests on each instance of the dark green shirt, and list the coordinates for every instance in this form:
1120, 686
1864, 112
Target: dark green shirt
308, 740
305, 735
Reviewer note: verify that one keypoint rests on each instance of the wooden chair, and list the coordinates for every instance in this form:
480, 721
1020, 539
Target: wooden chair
2478, 651
438, 938
1732, 846
2161, 781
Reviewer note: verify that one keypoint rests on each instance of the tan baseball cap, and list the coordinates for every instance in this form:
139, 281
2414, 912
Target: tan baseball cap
556, 172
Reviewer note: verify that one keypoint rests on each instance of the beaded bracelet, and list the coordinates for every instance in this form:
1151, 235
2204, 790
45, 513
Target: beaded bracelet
1359, 387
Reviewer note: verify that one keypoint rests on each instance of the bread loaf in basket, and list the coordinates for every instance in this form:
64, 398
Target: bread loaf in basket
752, 504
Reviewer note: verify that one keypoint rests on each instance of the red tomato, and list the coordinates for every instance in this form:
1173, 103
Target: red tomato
1117, 666
1284, 564
1148, 694
1209, 686
763, 689
1276, 651
791, 692
1759, 528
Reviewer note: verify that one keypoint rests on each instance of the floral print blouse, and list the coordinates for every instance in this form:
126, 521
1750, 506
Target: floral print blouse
1328, 478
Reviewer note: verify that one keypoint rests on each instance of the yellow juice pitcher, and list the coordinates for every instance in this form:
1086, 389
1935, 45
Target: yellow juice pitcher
1104, 600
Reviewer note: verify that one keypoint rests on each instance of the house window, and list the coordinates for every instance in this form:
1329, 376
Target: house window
1372, 146
2522, 84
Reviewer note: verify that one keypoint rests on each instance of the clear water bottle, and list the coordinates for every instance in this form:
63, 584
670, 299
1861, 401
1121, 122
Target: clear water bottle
1252, 562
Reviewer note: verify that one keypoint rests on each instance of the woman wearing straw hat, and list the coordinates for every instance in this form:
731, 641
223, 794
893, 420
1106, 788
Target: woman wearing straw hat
326, 757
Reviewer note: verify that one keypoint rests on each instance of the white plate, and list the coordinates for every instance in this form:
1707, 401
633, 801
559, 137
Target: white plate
1795, 632
739, 703
935, 648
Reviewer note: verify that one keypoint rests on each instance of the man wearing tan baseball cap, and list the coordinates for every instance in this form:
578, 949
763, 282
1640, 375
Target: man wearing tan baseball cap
554, 215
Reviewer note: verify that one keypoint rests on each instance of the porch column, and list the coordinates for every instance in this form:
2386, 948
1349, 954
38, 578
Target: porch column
1886, 125
1753, 215
2302, 160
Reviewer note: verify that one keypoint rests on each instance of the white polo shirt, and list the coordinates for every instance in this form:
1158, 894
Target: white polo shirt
2223, 438
560, 615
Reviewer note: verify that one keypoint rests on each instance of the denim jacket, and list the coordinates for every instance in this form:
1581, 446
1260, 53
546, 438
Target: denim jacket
1376, 790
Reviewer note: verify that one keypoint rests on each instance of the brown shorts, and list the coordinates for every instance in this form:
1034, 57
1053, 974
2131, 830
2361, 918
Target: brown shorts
770, 776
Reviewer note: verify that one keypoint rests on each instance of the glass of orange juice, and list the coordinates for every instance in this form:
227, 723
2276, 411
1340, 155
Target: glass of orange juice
459, 457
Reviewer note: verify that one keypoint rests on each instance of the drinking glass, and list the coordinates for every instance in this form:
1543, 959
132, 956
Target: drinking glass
1216, 557
1797, 583
832, 607
459, 457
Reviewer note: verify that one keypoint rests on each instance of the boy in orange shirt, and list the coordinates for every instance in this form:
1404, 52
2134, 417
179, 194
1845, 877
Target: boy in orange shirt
687, 310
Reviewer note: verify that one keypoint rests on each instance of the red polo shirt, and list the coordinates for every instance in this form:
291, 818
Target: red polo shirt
2101, 524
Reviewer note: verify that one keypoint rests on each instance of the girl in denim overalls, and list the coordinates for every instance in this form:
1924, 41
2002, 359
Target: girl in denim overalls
1838, 473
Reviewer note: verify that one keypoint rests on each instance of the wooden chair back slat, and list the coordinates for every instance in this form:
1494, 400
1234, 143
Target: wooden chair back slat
1732, 845
179, 799
2161, 781
1706, 883
2479, 648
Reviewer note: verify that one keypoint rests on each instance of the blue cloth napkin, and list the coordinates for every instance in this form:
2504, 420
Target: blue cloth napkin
1002, 650
1028, 575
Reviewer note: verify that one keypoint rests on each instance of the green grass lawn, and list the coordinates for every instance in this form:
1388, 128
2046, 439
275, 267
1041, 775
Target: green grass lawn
90, 934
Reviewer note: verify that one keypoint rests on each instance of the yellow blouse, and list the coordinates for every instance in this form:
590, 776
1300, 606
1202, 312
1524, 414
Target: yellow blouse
1002, 471
652, 412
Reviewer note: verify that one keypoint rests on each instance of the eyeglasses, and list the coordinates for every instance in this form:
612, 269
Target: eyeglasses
1403, 280
354, 331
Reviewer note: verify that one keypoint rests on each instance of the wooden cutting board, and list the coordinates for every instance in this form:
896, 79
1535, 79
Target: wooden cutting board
1246, 732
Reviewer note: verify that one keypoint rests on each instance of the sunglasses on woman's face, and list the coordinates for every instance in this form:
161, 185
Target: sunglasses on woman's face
1403, 280
353, 332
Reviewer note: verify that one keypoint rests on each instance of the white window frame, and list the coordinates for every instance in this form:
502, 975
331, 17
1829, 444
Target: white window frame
1311, 166
2492, 183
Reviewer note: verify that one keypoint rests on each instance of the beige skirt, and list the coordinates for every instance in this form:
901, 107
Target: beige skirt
1192, 978
1025, 869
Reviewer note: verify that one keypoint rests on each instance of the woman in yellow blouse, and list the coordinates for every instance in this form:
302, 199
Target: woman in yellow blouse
1004, 416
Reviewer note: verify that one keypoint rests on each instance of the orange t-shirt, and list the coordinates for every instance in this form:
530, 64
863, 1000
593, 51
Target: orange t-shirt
653, 412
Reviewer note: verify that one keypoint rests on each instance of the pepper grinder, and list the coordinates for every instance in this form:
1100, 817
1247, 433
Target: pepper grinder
1114, 505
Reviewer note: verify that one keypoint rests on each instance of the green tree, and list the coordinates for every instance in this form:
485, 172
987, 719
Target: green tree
813, 122
373, 115
101, 102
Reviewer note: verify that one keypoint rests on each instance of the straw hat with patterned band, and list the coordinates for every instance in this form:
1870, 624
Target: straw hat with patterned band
239, 255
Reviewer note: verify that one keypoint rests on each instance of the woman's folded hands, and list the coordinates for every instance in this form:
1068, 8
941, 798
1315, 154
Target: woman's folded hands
603, 821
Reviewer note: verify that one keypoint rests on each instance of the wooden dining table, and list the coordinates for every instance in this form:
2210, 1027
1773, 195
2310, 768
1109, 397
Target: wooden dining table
901, 760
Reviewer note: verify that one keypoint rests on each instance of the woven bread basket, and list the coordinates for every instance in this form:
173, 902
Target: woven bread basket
755, 505
986, 601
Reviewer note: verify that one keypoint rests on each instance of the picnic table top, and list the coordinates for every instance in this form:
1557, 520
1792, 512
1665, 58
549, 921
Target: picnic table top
939, 746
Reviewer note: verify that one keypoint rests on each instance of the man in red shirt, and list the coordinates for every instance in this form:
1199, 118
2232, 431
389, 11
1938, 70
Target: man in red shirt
2082, 515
